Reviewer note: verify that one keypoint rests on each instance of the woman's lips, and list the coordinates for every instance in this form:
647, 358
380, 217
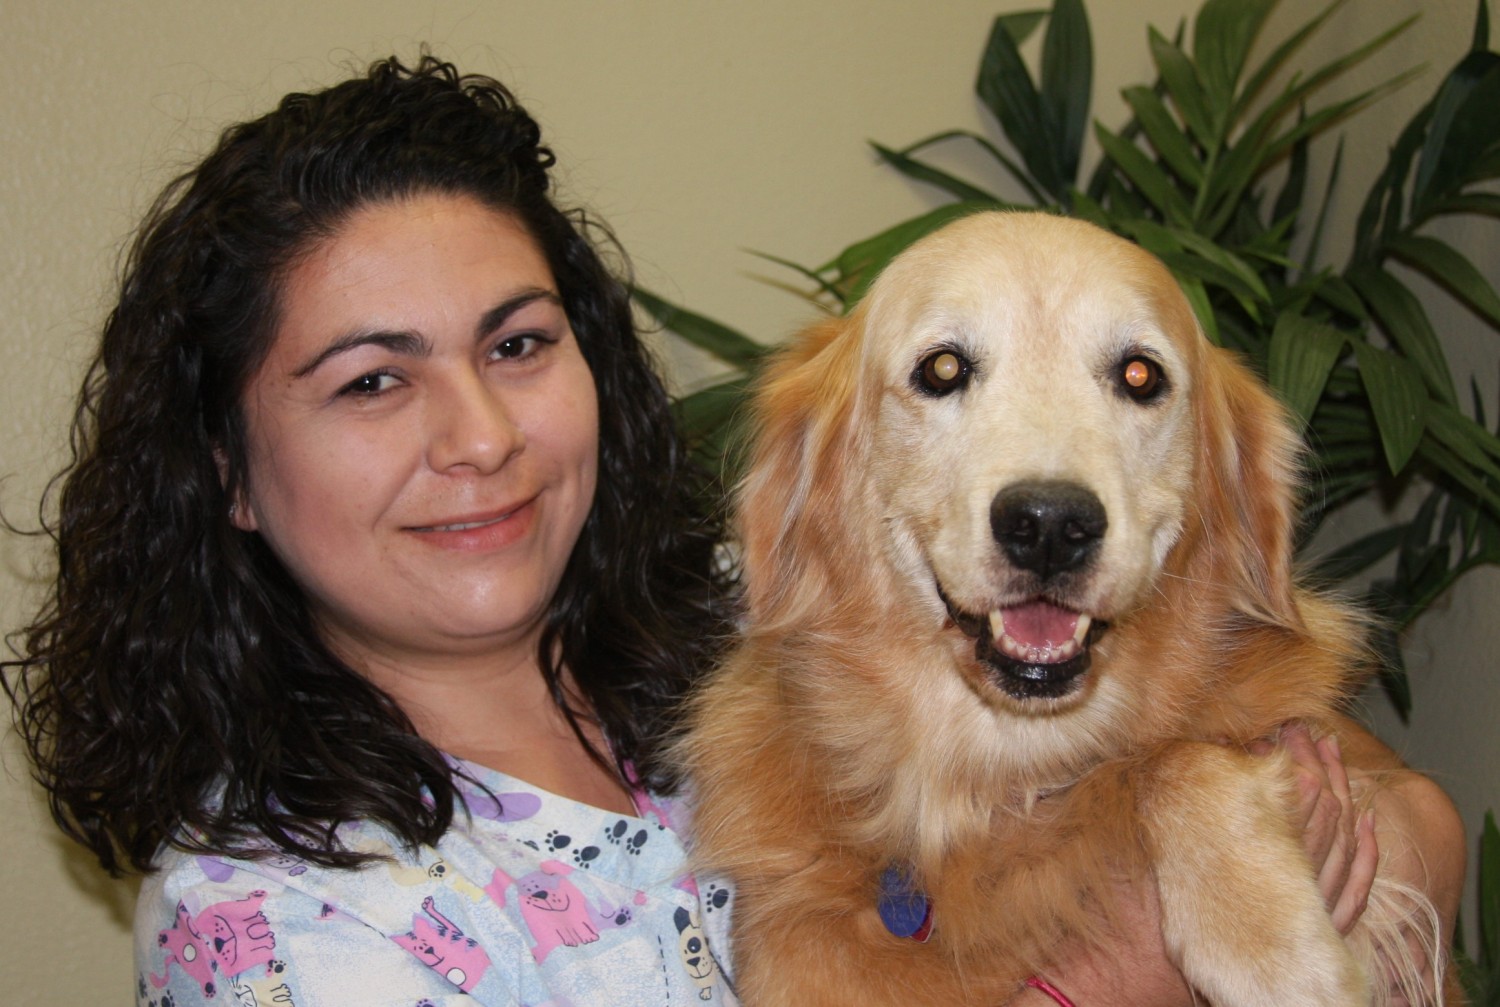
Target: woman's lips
479, 532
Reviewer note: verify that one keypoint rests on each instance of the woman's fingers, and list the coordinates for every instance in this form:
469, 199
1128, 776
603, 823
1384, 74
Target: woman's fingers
1349, 903
1338, 841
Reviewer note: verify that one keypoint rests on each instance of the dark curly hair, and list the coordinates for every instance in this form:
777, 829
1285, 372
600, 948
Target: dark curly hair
173, 688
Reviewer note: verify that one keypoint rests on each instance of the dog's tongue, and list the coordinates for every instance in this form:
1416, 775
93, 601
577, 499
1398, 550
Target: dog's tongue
1039, 631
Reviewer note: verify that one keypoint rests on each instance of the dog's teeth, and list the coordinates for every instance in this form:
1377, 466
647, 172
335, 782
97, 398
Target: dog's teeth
1046, 653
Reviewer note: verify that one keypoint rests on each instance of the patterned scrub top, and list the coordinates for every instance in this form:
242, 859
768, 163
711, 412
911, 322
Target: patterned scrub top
532, 899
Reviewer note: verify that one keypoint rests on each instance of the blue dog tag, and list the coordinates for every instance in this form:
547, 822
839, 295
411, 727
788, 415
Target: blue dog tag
905, 911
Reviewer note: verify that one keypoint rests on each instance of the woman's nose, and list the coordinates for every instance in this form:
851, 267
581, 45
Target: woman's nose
471, 427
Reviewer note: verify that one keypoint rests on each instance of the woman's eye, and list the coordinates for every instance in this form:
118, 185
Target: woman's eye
372, 383
516, 347
1142, 378
942, 372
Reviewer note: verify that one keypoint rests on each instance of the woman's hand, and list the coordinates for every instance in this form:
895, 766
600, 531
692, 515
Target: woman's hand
1422, 842
1339, 839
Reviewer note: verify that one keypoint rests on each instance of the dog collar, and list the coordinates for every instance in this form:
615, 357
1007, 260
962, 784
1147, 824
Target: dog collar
904, 908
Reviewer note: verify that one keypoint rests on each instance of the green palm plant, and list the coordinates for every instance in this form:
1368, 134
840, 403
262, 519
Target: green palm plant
1211, 173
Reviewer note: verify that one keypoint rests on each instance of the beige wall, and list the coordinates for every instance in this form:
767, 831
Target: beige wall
698, 128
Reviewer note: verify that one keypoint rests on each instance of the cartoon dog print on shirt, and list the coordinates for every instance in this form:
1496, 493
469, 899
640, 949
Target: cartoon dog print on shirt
700, 965
444, 948
241, 995
555, 911
225, 939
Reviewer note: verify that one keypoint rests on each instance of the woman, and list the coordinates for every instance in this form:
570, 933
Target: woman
380, 573
356, 390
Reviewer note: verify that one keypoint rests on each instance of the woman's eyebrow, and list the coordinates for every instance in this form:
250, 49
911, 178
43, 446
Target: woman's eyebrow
496, 316
407, 344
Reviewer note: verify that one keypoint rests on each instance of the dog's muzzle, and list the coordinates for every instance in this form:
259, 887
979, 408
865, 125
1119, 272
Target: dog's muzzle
1034, 650
1050, 533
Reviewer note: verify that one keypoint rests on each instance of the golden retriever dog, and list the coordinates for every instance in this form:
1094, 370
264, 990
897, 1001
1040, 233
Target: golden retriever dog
1018, 549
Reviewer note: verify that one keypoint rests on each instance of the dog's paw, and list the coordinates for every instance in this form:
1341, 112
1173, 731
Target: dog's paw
1327, 976
1241, 914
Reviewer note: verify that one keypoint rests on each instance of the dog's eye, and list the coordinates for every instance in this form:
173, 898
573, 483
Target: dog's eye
1142, 378
942, 372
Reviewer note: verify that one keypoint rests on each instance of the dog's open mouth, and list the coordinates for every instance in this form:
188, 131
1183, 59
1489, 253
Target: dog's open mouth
1036, 649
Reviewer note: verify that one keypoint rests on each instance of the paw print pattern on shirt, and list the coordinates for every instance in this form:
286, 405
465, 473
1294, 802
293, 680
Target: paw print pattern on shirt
619, 835
583, 856
715, 898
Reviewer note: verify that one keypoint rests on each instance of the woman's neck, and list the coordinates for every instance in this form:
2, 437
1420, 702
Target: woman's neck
500, 714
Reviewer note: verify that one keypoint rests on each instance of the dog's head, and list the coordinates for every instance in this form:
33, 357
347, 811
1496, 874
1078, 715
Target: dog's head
1019, 440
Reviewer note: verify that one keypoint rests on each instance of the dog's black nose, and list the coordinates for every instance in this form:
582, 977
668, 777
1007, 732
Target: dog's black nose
1048, 527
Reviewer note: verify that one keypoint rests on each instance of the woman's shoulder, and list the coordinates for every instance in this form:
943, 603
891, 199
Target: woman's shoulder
268, 930
528, 898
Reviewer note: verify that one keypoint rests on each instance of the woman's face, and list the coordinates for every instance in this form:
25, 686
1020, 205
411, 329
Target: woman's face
423, 434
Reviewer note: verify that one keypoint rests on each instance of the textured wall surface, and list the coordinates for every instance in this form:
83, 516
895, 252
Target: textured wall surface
697, 128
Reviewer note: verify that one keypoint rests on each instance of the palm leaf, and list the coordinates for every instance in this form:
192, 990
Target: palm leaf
1067, 73
1149, 180
1174, 146
1277, 60
1404, 319
1007, 90
1398, 399
713, 337
923, 172
1447, 266
1222, 35
1463, 127
1016, 171
1302, 355
1180, 78
857, 266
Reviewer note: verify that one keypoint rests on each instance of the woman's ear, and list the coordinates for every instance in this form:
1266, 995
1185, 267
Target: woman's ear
241, 513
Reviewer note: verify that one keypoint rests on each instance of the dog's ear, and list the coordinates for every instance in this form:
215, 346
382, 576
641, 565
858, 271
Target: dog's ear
793, 492
1248, 469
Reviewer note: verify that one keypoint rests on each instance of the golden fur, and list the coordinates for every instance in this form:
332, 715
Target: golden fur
857, 728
